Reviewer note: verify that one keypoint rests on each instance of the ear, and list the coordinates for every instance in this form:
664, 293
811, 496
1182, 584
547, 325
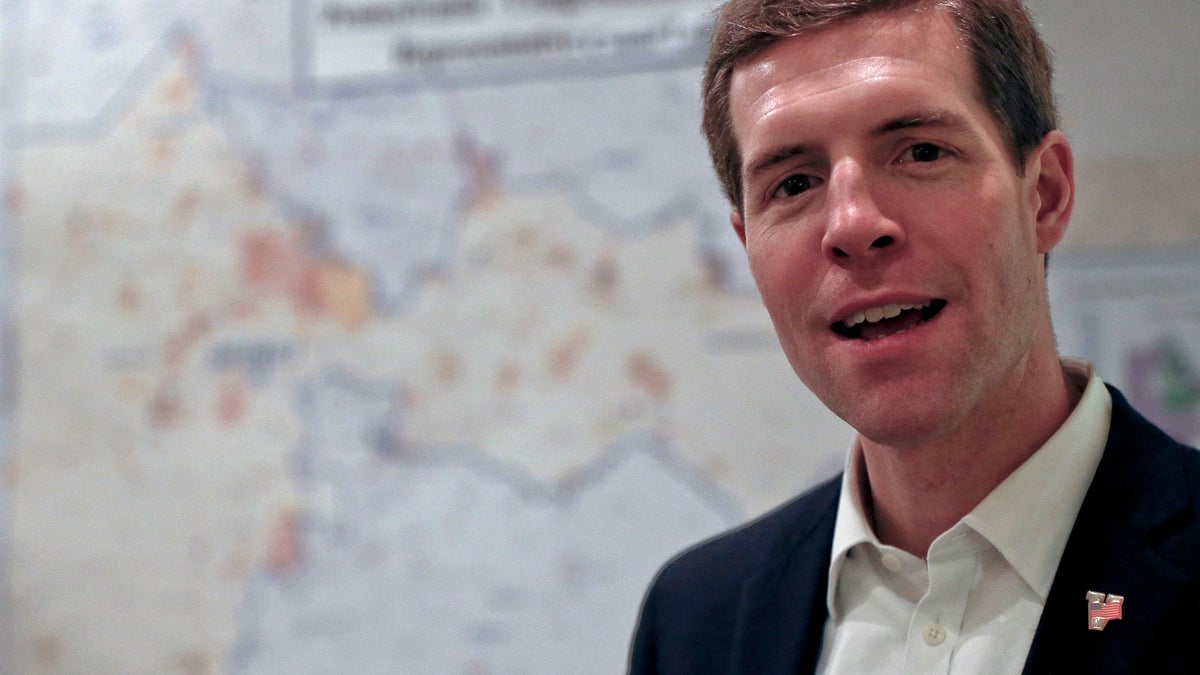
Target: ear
1051, 169
739, 225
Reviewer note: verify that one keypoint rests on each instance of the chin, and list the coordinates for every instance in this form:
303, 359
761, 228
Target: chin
906, 435
900, 422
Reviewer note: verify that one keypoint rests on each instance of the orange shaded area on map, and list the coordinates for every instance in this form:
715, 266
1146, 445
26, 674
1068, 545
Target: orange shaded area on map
277, 263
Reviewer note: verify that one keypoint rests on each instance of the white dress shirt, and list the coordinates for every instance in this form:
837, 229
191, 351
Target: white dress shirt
973, 604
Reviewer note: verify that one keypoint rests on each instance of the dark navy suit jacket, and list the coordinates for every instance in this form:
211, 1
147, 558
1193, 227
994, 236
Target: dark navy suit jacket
753, 600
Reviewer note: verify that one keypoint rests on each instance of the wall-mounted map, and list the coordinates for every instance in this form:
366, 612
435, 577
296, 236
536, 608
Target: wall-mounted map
314, 366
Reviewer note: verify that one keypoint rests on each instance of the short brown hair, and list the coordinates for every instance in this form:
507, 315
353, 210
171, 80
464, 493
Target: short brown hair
1012, 65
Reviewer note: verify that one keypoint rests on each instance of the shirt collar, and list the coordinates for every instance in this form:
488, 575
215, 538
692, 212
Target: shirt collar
1047, 489
851, 527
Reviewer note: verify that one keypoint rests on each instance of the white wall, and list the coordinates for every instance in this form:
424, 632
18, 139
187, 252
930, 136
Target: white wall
1129, 91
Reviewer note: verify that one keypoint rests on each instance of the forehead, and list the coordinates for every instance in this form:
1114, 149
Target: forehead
915, 50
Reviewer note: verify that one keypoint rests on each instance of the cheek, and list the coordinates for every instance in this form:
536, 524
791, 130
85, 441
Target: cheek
787, 286
1012, 276
783, 270
783, 248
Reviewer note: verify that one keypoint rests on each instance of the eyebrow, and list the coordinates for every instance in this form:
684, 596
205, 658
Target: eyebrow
922, 119
938, 119
767, 160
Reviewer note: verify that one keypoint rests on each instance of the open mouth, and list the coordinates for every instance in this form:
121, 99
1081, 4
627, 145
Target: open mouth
880, 322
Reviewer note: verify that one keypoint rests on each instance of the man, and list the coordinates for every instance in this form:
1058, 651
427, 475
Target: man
898, 181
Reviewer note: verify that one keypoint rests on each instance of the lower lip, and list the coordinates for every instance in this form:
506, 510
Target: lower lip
896, 344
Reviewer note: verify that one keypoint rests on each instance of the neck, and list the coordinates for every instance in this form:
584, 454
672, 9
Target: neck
918, 492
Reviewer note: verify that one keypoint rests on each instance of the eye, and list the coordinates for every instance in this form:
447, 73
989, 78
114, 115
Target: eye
924, 152
794, 185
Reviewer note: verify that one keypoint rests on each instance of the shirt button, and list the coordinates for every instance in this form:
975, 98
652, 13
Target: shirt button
935, 634
892, 562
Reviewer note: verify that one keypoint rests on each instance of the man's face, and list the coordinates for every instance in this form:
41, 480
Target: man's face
894, 241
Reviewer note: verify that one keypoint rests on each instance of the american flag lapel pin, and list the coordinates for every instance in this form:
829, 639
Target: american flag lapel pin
1103, 609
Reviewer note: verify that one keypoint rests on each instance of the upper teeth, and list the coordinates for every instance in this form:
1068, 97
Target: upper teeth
876, 314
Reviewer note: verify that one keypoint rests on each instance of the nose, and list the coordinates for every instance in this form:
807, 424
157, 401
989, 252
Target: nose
856, 230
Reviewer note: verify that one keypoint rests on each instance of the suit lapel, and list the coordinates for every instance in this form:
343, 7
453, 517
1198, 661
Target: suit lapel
781, 613
1114, 561
1135, 500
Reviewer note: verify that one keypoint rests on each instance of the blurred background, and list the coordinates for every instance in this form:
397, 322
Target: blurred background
410, 336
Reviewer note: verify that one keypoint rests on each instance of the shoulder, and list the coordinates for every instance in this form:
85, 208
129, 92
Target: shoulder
1151, 482
1145, 455
688, 618
719, 565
